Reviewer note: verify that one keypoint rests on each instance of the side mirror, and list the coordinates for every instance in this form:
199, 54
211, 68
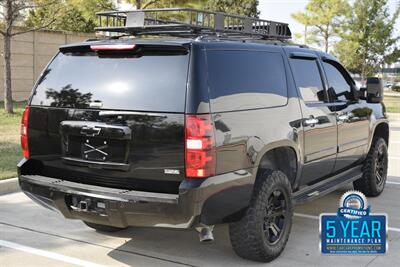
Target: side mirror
374, 90
362, 93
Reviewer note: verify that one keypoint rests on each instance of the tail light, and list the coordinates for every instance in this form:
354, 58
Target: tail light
199, 146
24, 132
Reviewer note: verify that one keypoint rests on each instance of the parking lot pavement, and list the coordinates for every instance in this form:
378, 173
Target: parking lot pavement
33, 236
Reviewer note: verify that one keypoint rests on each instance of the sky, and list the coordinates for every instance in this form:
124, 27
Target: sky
281, 10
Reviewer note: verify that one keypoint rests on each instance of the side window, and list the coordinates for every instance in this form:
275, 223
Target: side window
308, 79
241, 80
339, 89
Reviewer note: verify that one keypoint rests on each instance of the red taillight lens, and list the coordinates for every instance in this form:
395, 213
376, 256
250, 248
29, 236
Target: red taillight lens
112, 47
199, 146
24, 132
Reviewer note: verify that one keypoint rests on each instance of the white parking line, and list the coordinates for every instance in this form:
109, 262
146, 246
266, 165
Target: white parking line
302, 215
47, 254
308, 216
390, 182
394, 142
391, 158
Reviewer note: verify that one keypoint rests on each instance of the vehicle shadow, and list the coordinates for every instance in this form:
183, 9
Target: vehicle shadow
177, 247
182, 247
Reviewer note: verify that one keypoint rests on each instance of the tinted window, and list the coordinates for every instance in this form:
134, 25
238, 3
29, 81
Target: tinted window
246, 79
308, 79
149, 83
339, 88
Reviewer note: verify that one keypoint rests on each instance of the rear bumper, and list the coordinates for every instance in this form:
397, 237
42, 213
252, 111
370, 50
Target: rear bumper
218, 199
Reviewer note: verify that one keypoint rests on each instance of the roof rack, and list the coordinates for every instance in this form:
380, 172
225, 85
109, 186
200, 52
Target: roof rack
189, 22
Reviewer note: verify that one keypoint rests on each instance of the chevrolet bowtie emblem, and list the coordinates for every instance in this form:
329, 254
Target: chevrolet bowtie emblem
90, 131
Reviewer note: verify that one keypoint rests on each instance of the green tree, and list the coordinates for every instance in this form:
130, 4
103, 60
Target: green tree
145, 4
322, 20
240, 7
243, 7
12, 12
74, 15
369, 40
305, 36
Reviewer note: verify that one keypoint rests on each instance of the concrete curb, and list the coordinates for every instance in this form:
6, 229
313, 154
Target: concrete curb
9, 186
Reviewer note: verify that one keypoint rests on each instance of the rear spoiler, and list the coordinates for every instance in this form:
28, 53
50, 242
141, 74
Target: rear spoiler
131, 48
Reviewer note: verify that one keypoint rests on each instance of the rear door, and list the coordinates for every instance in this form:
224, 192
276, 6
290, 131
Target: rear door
352, 117
112, 118
319, 121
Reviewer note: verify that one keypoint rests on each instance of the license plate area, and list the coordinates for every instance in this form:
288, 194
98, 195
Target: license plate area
101, 149
97, 149
95, 144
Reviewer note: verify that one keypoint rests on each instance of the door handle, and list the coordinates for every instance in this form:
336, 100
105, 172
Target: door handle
311, 121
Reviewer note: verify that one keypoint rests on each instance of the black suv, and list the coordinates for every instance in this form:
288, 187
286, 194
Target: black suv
203, 129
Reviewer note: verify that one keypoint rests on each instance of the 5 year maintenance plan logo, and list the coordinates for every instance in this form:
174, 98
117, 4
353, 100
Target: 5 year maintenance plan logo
353, 229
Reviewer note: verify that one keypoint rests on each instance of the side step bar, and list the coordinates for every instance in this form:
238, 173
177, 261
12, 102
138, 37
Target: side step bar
326, 186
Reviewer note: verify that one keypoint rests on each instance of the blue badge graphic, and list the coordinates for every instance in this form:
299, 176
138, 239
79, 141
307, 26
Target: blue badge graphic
353, 229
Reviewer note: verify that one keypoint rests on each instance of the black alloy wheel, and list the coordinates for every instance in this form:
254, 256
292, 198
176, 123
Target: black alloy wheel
374, 170
263, 231
274, 220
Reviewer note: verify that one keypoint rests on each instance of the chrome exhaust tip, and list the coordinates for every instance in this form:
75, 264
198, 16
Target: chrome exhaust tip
205, 233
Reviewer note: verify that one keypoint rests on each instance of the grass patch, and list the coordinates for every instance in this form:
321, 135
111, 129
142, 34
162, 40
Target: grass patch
392, 104
10, 148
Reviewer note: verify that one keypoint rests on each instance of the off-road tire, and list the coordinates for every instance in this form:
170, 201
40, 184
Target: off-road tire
247, 236
103, 228
377, 158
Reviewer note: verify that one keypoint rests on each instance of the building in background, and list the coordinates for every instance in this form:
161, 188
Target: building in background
391, 76
391, 71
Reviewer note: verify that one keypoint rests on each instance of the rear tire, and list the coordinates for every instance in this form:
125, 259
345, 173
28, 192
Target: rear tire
375, 166
103, 228
262, 233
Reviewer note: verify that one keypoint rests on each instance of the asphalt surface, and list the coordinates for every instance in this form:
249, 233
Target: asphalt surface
34, 236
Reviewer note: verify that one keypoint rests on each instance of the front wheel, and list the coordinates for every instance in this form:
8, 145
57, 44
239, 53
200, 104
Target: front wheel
375, 166
262, 233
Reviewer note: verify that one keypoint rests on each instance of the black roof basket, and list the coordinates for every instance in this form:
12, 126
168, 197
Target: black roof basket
189, 22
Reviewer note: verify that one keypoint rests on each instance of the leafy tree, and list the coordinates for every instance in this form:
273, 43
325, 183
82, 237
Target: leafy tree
307, 38
42, 11
145, 4
140, 4
243, 7
323, 19
369, 40
68, 97
72, 19
74, 15
11, 14
240, 7
88, 8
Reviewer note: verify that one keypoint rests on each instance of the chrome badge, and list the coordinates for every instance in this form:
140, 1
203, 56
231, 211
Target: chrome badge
171, 171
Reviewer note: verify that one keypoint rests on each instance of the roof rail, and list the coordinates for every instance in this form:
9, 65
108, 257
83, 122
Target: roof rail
189, 22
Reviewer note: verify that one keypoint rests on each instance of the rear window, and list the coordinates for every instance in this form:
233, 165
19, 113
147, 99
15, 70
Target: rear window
246, 79
146, 83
